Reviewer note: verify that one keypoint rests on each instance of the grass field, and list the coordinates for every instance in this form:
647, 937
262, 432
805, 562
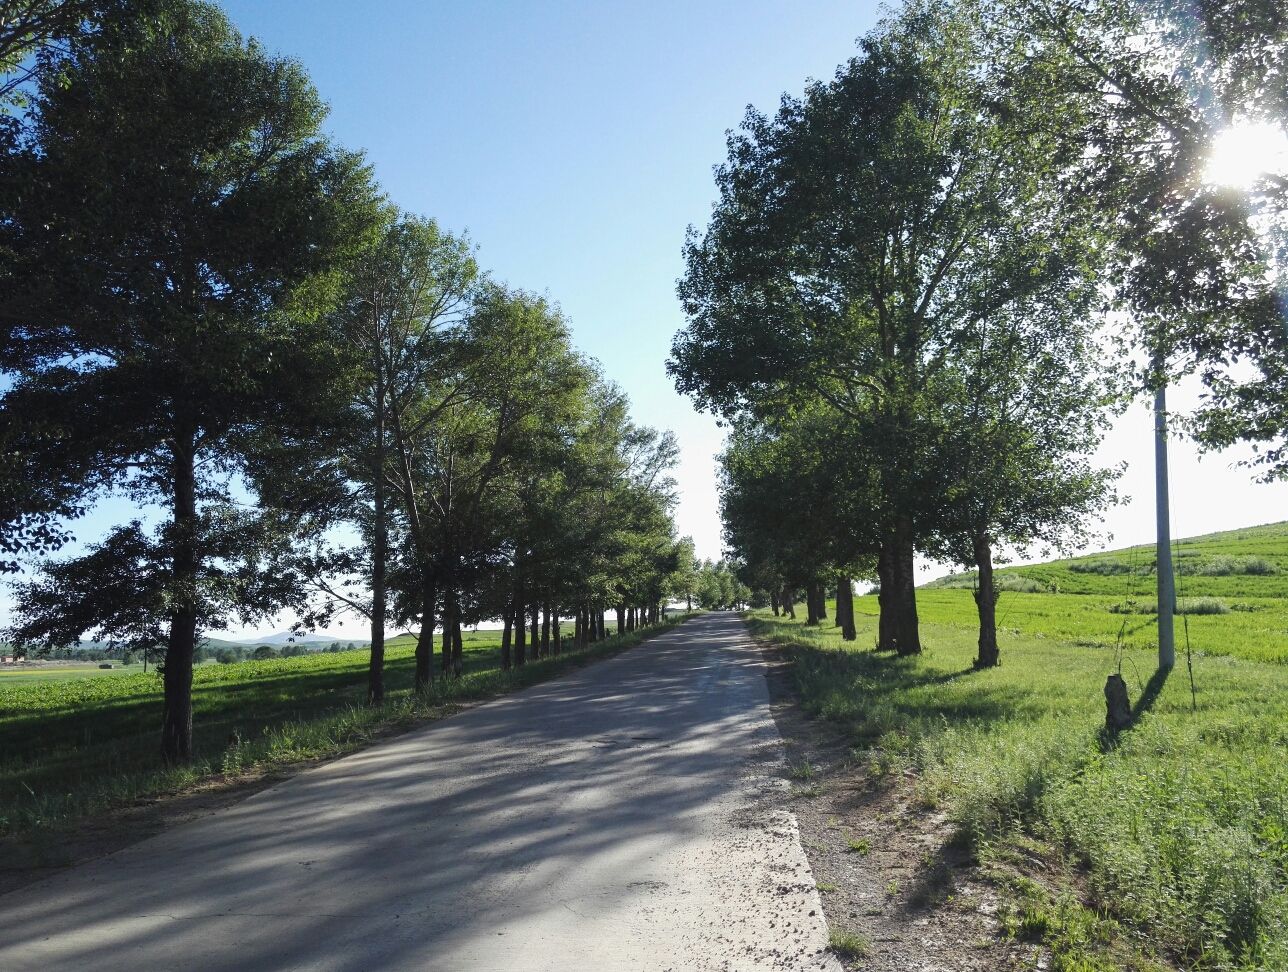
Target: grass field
10, 677
1094, 600
1168, 843
73, 746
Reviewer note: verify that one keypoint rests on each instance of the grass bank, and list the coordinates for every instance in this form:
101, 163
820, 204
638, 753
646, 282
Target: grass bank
75, 747
1242, 627
1172, 837
1233, 589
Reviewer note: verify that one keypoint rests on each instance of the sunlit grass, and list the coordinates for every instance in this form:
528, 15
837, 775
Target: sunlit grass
1181, 822
1252, 628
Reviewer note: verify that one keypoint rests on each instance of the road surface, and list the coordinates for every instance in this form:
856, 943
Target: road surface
626, 816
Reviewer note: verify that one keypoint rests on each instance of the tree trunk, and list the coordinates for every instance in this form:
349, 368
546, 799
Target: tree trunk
545, 631
820, 592
176, 718
811, 604
576, 629
535, 614
599, 624
907, 630
506, 629
845, 608
379, 554
558, 631
986, 601
789, 603
886, 598
621, 619
458, 646
773, 602
425, 643
520, 629
449, 626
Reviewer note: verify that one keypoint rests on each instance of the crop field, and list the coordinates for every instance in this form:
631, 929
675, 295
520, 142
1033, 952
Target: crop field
10, 677
76, 745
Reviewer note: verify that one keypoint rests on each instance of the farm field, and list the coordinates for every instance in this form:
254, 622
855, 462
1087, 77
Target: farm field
21, 675
77, 745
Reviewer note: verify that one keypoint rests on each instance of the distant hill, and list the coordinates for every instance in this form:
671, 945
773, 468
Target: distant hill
287, 638
1250, 562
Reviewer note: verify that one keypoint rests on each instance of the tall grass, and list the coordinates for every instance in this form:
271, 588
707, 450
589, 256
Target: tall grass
1226, 565
1184, 605
1180, 823
1253, 628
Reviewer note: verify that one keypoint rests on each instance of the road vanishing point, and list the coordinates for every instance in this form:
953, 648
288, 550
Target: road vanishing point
628, 815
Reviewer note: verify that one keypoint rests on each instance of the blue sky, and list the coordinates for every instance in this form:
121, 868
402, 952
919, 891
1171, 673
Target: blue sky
574, 143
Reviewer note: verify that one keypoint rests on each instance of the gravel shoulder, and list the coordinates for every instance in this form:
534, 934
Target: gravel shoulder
889, 870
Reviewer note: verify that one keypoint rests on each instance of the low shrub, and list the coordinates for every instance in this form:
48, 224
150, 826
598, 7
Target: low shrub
1226, 565
1184, 605
1110, 568
1016, 583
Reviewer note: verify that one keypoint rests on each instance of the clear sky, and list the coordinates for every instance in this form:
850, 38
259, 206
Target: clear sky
574, 143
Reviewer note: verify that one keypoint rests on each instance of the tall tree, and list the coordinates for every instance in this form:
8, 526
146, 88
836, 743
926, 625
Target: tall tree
860, 231
146, 307
397, 326
32, 510
1147, 90
1030, 407
28, 28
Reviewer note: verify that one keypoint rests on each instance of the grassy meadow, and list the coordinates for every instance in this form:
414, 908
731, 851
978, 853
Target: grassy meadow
9, 677
1167, 844
1232, 589
73, 746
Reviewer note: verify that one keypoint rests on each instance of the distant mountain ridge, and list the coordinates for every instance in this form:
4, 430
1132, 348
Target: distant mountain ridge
288, 638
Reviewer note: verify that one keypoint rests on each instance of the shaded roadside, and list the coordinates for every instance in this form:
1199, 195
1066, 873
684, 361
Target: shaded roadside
893, 879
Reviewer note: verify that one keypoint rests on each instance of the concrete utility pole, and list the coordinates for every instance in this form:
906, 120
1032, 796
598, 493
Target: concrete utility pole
1166, 580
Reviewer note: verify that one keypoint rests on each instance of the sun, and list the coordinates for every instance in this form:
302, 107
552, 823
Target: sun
1246, 151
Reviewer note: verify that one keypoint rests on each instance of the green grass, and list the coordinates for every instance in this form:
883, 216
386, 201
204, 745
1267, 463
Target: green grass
1253, 628
1095, 600
76, 746
1180, 825
847, 944
10, 677
859, 845
1247, 563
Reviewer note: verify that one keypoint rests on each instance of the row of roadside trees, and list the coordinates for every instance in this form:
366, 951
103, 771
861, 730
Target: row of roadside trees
930, 282
318, 402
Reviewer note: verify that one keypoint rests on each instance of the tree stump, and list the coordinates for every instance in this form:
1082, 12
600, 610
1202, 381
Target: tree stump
1117, 704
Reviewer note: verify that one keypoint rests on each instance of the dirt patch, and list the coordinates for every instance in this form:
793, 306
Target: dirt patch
888, 869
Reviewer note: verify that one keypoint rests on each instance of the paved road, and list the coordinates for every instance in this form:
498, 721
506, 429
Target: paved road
622, 817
